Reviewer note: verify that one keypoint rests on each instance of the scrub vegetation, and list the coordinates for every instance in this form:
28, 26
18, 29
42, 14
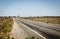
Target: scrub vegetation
5, 27
30, 37
47, 19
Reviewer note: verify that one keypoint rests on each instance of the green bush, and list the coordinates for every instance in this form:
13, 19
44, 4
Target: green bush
30, 37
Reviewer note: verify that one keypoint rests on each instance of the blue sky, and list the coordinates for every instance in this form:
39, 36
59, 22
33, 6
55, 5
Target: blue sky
30, 7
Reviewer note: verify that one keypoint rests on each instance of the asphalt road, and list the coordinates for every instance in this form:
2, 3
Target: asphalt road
21, 31
49, 31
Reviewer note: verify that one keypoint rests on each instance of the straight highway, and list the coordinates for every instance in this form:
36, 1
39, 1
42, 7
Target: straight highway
49, 31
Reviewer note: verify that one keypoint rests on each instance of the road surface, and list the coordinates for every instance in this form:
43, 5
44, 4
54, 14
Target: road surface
47, 30
20, 31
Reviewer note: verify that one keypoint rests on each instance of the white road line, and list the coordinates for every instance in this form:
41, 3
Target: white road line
35, 32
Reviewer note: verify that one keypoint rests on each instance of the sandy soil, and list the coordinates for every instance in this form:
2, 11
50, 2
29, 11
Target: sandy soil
17, 32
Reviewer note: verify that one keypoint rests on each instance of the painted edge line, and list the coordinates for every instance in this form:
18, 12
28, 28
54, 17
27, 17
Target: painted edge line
34, 31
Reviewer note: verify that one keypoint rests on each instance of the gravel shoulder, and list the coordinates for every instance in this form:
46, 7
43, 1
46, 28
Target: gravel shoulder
17, 32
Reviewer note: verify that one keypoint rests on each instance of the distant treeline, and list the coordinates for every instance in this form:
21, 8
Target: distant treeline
7, 16
42, 17
48, 16
33, 16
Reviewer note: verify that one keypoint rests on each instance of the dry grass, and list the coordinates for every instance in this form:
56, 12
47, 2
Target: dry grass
45, 19
5, 27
